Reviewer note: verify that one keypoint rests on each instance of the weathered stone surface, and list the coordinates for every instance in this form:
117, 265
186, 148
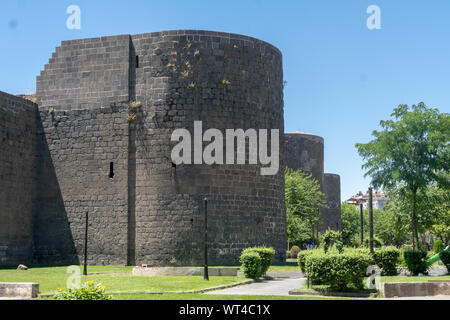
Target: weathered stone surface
19, 289
184, 271
17, 160
414, 289
332, 190
149, 211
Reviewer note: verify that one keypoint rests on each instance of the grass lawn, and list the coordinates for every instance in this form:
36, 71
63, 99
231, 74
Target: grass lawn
114, 278
286, 267
413, 278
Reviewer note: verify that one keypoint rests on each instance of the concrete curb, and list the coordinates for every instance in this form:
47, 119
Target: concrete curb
334, 294
225, 286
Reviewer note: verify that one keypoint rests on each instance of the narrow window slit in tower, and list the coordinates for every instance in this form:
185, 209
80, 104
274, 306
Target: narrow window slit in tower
111, 170
137, 61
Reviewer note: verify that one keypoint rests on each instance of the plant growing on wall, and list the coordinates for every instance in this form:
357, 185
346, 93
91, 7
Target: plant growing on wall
191, 86
133, 108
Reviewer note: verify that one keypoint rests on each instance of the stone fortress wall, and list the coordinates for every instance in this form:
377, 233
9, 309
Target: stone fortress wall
17, 159
305, 151
143, 208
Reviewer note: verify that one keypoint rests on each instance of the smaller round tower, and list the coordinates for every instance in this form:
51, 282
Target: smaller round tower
332, 190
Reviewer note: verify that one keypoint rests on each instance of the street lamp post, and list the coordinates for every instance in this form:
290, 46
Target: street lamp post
205, 273
85, 245
371, 219
361, 218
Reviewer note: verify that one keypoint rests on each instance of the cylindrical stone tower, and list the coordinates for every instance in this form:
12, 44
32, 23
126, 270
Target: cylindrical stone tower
332, 187
305, 151
227, 81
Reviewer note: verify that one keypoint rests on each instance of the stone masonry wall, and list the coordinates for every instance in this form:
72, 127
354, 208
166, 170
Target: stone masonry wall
17, 144
82, 146
86, 73
151, 211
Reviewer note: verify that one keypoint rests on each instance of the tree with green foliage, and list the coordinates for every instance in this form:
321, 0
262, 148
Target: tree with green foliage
298, 231
350, 220
411, 151
391, 225
439, 199
303, 198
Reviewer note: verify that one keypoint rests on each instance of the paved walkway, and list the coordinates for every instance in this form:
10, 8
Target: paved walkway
279, 286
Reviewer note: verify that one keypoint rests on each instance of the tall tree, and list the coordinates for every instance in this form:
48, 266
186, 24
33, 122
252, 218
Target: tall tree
412, 150
303, 197
350, 223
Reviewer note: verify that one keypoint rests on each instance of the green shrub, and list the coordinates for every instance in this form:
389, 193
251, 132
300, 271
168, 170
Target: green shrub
266, 254
387, 259
301, 258
251, 265
288, 254
445, 258
376, 243
294, 252
415, 261
89, 291
438, 246
338, 271
331, 237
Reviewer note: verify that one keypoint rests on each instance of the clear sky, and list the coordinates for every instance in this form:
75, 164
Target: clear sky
342, 78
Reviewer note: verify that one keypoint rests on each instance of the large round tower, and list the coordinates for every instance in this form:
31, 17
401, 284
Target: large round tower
226, 81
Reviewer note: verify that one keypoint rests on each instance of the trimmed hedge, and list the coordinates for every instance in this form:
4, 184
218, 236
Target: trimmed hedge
337, 270
267, 256
387, 260
445, 258
415, 261
251, 265
301, 258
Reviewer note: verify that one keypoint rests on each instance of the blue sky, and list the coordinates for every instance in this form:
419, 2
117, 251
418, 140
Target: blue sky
342, 78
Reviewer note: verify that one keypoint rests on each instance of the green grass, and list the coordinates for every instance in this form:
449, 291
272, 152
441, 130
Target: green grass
286, 267
413, 278
114, 278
